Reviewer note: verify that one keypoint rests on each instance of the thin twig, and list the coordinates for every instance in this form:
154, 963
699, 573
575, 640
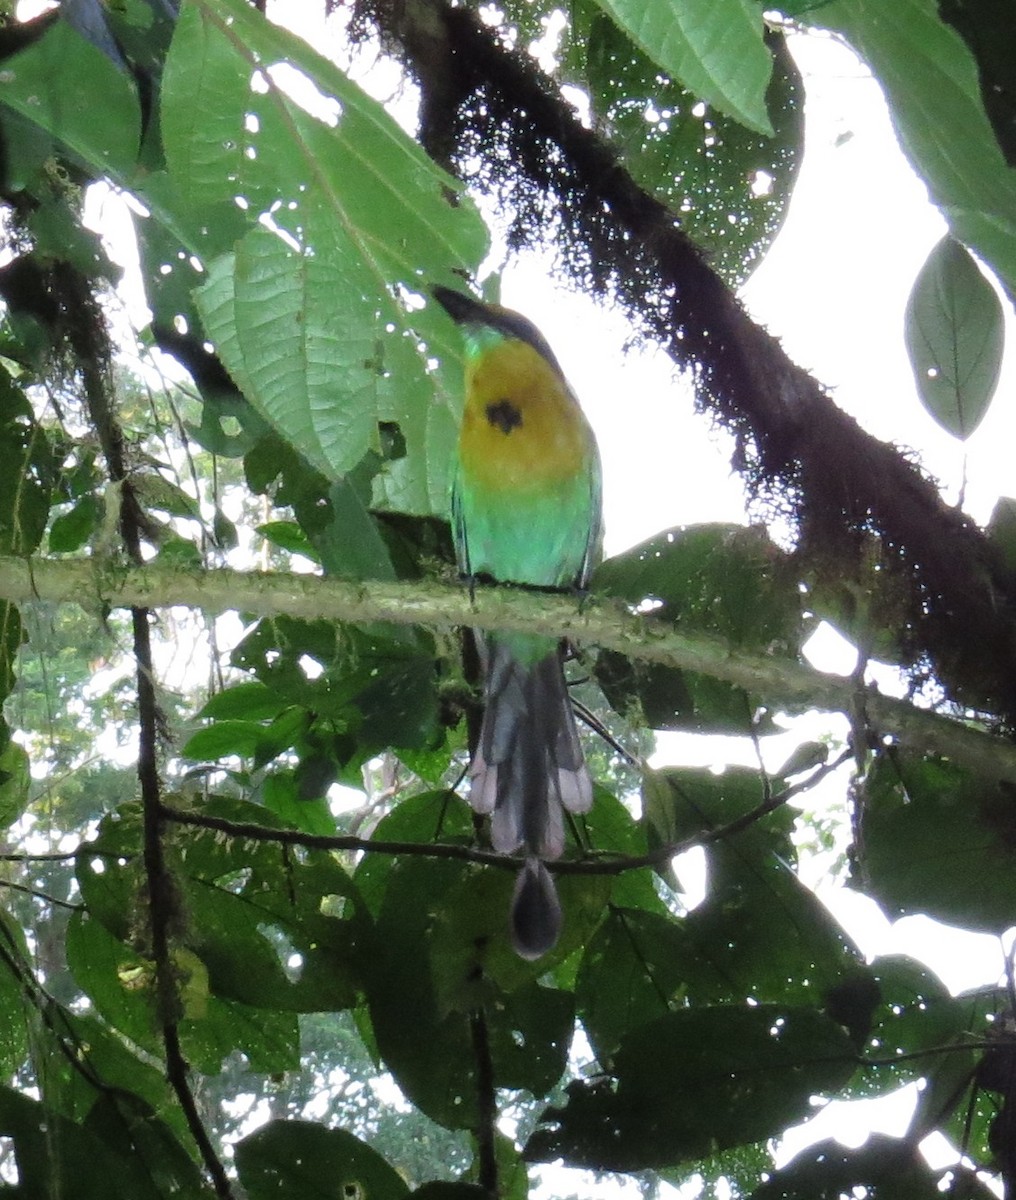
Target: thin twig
600, 864
486, 1104
39, 894
92, 349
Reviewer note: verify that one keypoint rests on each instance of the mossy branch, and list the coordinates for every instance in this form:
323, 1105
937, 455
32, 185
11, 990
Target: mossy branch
596, 621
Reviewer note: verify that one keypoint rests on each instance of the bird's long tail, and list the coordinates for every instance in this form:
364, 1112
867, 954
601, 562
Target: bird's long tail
527, 769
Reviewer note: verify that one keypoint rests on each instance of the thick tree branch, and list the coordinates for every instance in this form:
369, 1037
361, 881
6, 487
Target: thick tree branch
603, 623
511, 132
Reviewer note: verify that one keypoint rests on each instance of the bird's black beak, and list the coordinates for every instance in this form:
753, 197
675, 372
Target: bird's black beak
464, 310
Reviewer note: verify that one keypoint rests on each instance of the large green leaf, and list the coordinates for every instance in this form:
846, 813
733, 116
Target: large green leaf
955, 335
426, 817
914, 1014
264, 924
100, 1062
306, 313
442, 945
14, 1028
730, 184
120, 982
989, 33
930, 81
15, 779
299, 1158
714, 47
56, 1157
728, 580
27, 482
73, 91
758, 935
696, 1081
378, 689
938, 840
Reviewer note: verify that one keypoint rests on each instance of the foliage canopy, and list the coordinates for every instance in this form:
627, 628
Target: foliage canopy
212, 973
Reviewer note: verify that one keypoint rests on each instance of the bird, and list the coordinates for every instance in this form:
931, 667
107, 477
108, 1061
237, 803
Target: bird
526, 509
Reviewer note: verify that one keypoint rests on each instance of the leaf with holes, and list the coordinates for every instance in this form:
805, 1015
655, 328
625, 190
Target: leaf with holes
696, 1081
310, 311
714, 47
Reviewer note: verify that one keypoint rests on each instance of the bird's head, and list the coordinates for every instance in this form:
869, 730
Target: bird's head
486, 325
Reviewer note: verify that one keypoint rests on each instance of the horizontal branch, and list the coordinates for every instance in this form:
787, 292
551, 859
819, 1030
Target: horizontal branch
600, 864
596, 621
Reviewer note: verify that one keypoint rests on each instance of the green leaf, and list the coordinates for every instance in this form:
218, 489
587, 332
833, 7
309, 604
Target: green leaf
955, 336
759, 934
70, 530
610, 827
125, 1123
109, 1065
938, 840
14, 1028
177, 551
725, 579
985, 29
156, 491
250, 701
118, 981
273, 930
1002, 530
224, 739
224, 531
426, 817
714, 47
679, 802
86, 1165
69, 88
268, 1039
59, 236
303, 313
285, 794
634, 970
288, 536
15, 781
300, 1158
731, 185
442, 938
439, 1189
696, 1081
351, 545
26, 485
930, 81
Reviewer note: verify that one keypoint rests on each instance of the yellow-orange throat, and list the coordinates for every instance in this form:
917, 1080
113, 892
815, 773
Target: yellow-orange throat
521, 428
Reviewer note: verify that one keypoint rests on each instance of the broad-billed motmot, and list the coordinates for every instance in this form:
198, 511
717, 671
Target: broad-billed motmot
526, 509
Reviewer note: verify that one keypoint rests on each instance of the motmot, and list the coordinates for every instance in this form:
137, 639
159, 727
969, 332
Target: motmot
525, 509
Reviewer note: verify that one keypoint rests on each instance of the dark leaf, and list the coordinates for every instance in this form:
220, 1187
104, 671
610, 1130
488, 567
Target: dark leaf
299, 1158
883, 1168
938, 840
730, 184
696, 1081
723, 579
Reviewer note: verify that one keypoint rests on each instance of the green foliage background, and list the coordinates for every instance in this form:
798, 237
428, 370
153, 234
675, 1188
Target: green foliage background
316, 957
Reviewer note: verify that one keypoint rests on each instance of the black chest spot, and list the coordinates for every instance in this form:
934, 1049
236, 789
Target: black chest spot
504, 415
